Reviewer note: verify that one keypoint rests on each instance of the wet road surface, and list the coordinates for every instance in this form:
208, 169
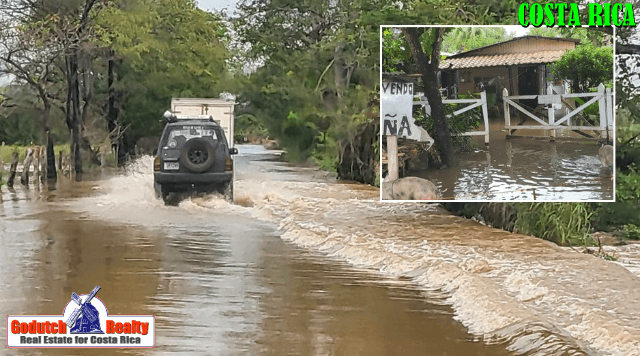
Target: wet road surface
308, 266
218, 280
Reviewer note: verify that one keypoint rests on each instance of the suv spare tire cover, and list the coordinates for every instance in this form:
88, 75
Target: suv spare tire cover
197, 155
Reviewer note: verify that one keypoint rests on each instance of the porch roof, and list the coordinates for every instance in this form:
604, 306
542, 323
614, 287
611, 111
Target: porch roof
501, 59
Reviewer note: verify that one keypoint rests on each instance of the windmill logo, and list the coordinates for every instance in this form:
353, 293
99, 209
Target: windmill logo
85, 322
85, 319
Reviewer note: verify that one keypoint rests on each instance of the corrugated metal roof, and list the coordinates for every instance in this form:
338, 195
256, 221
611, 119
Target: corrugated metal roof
501, 60
516, 39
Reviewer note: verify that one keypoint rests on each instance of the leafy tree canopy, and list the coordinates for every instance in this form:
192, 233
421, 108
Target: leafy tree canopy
586, 67
585, 35
167, 48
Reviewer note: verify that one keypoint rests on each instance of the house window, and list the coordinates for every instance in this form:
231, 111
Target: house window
488, 82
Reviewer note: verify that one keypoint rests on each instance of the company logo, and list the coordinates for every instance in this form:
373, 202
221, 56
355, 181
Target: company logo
84, 322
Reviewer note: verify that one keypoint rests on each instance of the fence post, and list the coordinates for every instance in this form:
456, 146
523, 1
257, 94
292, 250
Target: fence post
610, 117
602, 106
507, 116
485, 115
552, 116
392, 157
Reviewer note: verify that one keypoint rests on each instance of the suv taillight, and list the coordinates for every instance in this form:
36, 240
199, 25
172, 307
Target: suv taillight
228, 166
156, 164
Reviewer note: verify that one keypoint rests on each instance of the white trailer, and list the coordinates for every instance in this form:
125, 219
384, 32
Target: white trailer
220, 109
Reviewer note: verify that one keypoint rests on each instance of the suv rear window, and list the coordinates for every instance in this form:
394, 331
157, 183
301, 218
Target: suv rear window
189, 132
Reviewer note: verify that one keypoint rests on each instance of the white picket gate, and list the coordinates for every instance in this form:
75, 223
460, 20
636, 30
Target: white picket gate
603, 96
474, 104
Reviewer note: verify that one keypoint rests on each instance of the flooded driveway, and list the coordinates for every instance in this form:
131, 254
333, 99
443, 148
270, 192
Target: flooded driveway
513, 169
308, 266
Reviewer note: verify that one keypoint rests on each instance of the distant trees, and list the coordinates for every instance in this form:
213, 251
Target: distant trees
591, 35
156, 50
38, 38
148, 51
29, 50
316, 85
317, 76
314, 65
461, 39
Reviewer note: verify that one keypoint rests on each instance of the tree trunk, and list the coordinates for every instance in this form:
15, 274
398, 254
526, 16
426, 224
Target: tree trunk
113, 113
358, 159
52, 174
443, 140
73, 110
44, 119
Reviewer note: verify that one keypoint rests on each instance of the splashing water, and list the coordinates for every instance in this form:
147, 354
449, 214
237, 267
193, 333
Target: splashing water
539, 298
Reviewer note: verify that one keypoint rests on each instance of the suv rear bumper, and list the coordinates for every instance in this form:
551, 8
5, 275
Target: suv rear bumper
192, 178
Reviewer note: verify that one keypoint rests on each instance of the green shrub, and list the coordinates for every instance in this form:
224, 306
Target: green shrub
562, 223
585, 66
632, 230
609, 216
628, 185
325, 155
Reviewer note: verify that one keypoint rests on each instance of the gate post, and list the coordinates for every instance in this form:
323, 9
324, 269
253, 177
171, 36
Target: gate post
507, 116
602, 106
392, 157
552, 116
485, 115
610, 117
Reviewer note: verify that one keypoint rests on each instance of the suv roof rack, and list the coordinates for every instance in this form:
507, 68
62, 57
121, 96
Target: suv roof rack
171, 117
193, 117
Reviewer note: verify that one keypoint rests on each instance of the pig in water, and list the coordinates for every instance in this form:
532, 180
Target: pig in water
606, 155
409, 188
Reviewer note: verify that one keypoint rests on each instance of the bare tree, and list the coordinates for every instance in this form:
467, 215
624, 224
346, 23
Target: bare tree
28, 51
38, 34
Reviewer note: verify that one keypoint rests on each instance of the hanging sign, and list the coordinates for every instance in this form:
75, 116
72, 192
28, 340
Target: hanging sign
396, 106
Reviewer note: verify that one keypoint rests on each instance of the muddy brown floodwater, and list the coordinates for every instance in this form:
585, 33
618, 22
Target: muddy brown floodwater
509, 169
308, 266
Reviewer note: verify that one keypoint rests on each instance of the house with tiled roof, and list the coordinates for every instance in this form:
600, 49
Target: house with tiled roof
522, 65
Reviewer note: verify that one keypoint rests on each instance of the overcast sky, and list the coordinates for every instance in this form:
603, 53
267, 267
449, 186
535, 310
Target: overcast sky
211, 5
519, 30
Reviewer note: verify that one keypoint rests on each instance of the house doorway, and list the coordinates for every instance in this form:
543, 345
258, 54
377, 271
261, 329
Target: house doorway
528, 84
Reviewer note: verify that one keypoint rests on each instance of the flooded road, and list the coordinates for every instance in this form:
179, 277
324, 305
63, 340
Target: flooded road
308, 266
510, 169
218, 279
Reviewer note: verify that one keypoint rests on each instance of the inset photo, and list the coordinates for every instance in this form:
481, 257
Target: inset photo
496, 113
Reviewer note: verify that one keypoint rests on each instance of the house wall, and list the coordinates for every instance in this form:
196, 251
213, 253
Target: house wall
529, 45
468, 76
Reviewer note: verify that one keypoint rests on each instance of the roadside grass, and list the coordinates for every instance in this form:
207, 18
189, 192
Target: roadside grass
566, 224
7, 151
